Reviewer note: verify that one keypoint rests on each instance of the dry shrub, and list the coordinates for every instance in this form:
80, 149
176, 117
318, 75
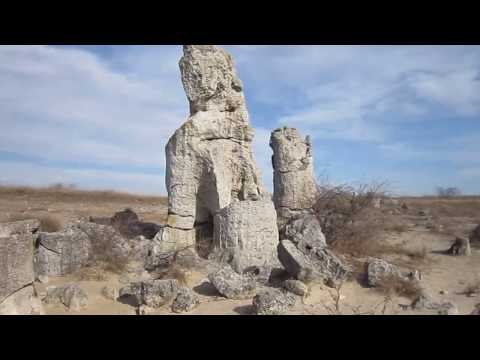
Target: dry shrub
50, 224
174, 271
398, 228
462, 206
47, 223
418, 254
90, 273
105, 255
349, 220
394, 285
472, 288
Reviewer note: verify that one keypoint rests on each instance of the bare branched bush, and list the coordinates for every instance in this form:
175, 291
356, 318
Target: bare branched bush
394, 285
50, 224
472, 288
104, 254
448, 192
349, 219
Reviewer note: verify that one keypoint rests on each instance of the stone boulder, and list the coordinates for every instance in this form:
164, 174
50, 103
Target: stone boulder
17, 294
305, 232
232, 285
460, 247
379, 271
72, 296
61, 253
153, 294
246, 235
273, 302
186, 301
312, 265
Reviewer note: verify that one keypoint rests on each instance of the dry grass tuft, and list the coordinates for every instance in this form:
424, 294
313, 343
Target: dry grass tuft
394, 285
90, 273
398, 228
176, 272
472, 288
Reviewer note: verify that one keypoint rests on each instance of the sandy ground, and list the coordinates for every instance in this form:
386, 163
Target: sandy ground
446, 277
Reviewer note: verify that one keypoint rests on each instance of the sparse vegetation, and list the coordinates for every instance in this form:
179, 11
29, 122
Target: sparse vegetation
394, 285
349, 220
448, 192
472, 288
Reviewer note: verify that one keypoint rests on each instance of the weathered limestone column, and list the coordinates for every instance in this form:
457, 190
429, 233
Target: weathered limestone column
210, 166
294, 182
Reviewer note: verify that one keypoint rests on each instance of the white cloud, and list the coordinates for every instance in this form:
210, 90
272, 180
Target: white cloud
65, 104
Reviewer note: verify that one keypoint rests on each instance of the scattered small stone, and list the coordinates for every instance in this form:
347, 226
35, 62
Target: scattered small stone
443, 292
110, 292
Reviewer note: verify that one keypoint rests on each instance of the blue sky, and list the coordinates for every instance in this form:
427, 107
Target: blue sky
99, 116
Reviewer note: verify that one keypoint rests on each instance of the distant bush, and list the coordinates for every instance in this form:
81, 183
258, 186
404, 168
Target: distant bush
448, 192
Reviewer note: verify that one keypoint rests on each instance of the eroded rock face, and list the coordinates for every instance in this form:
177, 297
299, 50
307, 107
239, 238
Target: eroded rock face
295, 188
67, 251
19, 227
246, 235
312, 264
61, 253
72, 296
209, 159
16, 272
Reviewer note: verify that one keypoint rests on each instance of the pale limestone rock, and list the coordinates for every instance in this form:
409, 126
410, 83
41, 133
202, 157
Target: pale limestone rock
315, 264
246, 234
17, 295
72, 296
16, 264
61, 253
22, 302
19, 227
380, 270
295, 188
210, 162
